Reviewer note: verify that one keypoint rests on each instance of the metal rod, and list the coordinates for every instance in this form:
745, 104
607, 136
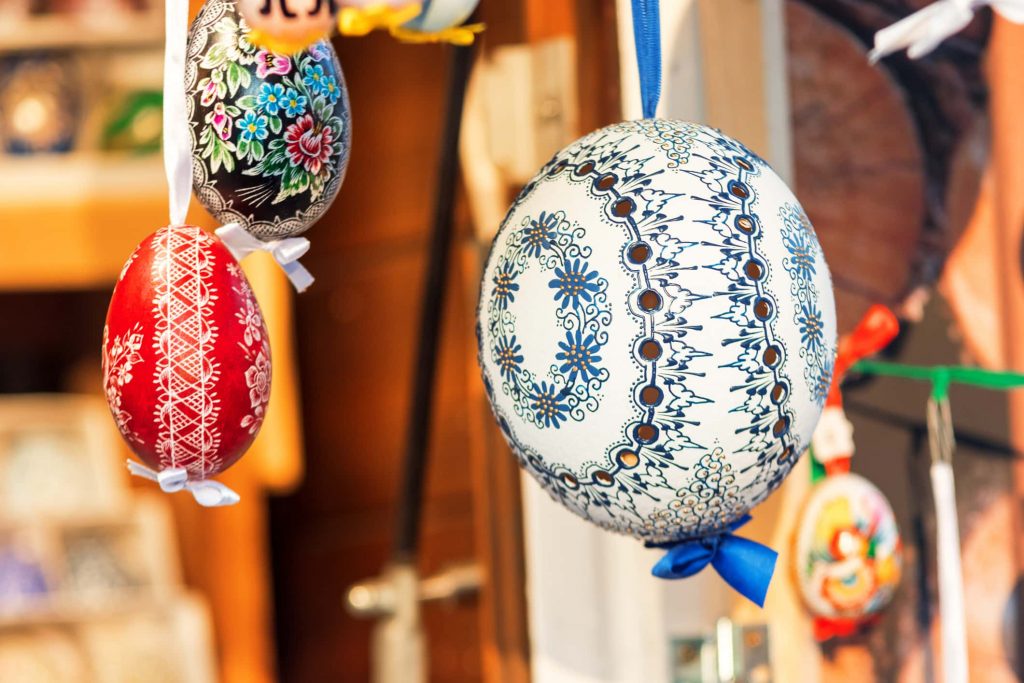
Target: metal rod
431, 312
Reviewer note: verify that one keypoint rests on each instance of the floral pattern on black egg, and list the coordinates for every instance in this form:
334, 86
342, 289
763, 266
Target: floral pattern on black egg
270, 133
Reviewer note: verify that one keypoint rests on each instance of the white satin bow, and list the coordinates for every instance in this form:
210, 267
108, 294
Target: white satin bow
207, 492
922, 31
286, 252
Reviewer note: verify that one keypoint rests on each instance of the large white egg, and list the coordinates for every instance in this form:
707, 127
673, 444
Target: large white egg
657, 329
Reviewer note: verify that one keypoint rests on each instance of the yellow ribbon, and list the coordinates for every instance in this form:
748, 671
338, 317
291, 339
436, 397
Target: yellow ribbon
356, 21
283, 46
456, 35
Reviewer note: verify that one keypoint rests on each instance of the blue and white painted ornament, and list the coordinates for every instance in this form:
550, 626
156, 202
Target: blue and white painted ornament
411, 21
657, 334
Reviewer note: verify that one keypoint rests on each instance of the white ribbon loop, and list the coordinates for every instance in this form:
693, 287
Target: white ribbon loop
922, 31
207, 492
286, 252
177, 144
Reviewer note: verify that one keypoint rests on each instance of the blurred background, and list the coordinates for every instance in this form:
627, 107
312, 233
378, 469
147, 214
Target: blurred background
907, 169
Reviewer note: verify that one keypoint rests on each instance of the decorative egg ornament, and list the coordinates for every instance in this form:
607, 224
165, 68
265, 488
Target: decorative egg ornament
429, 21
657, 329
186, 361
287, 26
441, 21
847, 552
271, 133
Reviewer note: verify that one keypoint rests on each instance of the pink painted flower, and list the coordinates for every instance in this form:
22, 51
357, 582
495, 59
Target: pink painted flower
269, 63
220, 121
209, 93
309, 143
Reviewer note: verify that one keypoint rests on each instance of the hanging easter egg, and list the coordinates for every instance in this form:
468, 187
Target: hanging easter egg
657, 329
847, 557
287, 26
360, 17
186, 361
438, 15
270, 133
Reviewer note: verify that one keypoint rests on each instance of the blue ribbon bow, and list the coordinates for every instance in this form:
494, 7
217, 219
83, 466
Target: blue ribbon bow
647, 37
745, 565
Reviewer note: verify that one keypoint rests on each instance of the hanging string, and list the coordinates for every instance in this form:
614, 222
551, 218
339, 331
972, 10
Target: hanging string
647, 36
177, 146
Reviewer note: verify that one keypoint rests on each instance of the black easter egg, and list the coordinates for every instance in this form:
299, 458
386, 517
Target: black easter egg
271, 133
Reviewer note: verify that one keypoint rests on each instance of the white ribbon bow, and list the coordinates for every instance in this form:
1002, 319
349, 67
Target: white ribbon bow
922, 31
207, 492
286, 252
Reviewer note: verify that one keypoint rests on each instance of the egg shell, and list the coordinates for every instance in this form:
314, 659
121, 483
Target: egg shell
438, 15
657, 329
271, 134
847, 556
186, 361
298, 22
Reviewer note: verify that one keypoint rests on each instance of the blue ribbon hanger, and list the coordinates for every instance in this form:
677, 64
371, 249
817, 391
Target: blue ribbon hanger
745, 565
647, 36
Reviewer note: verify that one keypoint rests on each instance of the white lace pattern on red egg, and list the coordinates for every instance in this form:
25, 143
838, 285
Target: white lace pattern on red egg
186, 355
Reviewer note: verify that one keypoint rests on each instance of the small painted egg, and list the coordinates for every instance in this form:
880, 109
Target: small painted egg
438, 15
288, 26
657, 329
271, 133
186, 361
847, 553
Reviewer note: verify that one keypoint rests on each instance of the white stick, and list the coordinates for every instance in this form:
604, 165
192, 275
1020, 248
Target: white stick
951, 585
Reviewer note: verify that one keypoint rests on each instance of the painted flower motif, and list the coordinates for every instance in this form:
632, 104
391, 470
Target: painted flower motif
221, 122
270, 97
314, 78
548, 405
253, 126
319, 51
257, 378
579, 355
294, 104
252, 422
509, 356
505, 286
812, 327
331, 90
268, 63
252, 321
537, 236
802, 252
574, 283
309, 144
212, 88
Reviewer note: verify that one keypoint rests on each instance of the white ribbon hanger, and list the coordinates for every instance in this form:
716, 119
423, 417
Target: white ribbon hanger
178, 159
922, 31
207, 492
177, 145
286, 252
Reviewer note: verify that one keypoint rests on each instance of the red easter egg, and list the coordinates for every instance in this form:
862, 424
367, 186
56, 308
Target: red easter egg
186, 360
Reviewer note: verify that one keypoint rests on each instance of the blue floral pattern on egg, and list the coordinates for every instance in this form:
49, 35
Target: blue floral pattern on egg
656, 326
271, 134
